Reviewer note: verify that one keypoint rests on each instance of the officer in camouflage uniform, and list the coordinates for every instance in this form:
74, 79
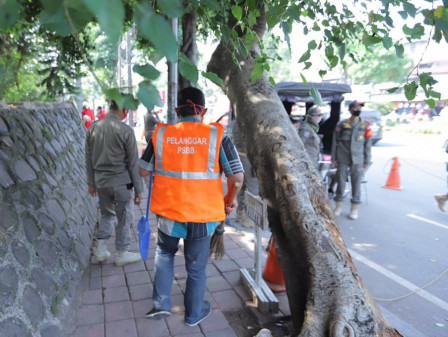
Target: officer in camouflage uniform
308, 134
351, 151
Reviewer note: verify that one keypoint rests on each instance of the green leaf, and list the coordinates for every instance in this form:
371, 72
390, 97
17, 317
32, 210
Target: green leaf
110, 14
316, 96
9, 13
414, 33
129, 102
211, 4
56, 21
147, 71
399, 50
322, 73
237, 12
307, 65
387, 42
403, 14
312, 45
441, 18
371, 40
410, 90
149, 95
392, 90
272, 81
431, 103
187, 69
123, 100
303, 79
156, 29
410, 9
214, 78
172, 8
305, 56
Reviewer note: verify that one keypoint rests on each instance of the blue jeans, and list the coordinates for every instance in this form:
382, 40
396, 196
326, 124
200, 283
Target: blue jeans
196, 253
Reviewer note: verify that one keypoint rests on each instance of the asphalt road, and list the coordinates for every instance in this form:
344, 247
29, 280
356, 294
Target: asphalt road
400, 241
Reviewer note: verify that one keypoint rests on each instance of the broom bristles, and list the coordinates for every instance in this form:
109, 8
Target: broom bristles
217, 242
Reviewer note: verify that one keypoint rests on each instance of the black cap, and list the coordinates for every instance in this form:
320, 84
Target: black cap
355, 104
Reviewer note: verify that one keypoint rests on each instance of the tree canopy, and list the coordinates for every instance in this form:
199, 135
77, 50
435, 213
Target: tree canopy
58, 36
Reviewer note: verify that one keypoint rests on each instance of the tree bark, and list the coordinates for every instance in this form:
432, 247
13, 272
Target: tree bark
327, 297
189, 46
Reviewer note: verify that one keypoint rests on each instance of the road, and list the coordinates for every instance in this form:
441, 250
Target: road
399, 242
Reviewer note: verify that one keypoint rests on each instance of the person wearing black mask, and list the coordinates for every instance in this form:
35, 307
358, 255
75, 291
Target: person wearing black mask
351, 152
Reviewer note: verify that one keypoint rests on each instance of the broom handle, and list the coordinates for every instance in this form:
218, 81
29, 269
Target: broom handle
149, 195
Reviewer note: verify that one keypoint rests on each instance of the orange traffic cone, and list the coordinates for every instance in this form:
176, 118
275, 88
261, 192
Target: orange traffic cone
393, 182
272, 273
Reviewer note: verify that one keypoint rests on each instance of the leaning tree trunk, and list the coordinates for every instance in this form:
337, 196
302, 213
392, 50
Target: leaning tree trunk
327, 296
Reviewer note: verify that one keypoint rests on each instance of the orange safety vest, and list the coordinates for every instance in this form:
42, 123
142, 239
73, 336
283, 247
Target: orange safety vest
187, 178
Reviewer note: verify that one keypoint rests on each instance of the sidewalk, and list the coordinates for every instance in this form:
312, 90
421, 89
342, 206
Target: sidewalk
117, 298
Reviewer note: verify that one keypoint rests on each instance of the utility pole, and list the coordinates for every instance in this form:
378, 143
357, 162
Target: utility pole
129, 64
119, 65
172, 82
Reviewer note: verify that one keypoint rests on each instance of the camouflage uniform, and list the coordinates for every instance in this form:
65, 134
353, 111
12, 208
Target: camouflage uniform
351, 149
311, 140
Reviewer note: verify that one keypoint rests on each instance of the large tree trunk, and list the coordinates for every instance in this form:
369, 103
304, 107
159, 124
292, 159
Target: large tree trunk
327, 296
188, 47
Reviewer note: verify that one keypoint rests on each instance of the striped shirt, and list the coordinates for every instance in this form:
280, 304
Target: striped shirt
230, 164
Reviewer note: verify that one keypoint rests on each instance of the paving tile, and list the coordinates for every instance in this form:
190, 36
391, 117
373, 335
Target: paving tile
117, 311
236, 253
140, 292
95, 283
233, 277
139, 277
89, 314
246, 262
117, 294
217, 283
141, 307
111, 269
212, 270
179, 260
228, 300
94, 330
216, 321
121, 328
221, 333
152, 328
229, 243
92, 297
95, 270
113, 281
177, 304
195, 334
132, 267
177, 286
226, 265
180, 272
176, 325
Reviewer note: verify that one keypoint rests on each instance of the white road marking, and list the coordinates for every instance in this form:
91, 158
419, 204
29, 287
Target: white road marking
427, 220
427, 296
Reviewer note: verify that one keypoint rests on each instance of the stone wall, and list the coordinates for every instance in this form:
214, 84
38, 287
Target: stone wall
46, 218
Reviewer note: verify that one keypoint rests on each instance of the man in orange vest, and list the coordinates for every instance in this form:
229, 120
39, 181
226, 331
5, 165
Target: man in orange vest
187, 160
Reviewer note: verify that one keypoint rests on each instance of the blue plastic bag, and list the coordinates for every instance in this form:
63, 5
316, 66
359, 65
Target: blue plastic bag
144, 229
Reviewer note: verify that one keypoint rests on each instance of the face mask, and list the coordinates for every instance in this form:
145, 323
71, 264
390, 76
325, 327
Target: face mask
316, 119
356, 113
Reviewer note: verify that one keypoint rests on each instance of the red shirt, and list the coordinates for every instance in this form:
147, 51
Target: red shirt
87, 112
101, 114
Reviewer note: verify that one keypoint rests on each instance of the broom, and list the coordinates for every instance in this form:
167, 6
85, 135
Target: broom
217, 240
